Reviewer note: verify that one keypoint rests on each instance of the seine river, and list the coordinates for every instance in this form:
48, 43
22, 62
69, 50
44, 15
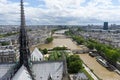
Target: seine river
62, 40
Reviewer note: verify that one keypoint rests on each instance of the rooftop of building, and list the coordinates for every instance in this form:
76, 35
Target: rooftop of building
5, 68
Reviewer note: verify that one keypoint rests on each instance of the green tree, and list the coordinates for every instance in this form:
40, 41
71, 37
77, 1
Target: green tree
60, 48
45, 51
113, 55
74, 64
49, 40
79, 40
55, 55
5, 43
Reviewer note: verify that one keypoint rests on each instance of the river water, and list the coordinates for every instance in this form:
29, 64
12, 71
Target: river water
99, 70
59, 41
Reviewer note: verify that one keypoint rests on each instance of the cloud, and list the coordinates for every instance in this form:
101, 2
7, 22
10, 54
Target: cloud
60, 11
63, 4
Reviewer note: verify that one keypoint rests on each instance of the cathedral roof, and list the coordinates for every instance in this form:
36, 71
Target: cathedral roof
22, 74
42, 70
36, 55
4, 68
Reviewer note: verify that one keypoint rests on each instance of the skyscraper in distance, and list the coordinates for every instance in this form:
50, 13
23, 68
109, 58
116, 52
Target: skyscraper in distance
105, 27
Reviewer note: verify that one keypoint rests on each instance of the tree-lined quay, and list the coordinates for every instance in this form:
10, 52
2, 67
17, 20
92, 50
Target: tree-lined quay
108, 52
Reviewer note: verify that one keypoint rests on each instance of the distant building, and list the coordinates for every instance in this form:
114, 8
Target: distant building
7, 56
105, 27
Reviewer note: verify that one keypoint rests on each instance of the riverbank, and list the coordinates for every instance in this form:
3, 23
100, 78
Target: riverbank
98, 69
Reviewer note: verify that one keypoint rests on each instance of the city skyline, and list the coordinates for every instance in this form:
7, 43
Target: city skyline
41, 12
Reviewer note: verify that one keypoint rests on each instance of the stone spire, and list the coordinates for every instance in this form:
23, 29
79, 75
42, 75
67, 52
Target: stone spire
23, 40
24, 50
24, 44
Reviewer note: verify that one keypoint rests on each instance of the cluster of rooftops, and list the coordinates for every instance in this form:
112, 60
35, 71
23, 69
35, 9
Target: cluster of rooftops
42, 70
